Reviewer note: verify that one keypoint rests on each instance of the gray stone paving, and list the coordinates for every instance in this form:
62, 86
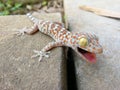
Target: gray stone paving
17, 70
104, 75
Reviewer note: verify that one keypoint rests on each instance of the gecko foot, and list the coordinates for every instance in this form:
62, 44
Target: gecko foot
21, 32
40, 54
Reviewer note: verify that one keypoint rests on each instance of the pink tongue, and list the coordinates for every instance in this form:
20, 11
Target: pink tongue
90, 57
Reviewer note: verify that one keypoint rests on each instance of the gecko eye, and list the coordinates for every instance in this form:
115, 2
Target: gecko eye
83, 42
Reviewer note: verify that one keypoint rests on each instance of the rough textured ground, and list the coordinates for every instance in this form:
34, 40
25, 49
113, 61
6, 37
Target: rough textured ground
104, 75
17, 70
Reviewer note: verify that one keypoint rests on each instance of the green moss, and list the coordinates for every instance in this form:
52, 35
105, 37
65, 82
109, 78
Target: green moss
7, 7
44, 2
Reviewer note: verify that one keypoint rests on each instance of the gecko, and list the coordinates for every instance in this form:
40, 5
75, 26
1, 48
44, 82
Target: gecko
86, 45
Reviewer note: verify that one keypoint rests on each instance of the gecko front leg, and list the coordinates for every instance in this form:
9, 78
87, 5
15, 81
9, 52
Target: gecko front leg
45, 51
26, 30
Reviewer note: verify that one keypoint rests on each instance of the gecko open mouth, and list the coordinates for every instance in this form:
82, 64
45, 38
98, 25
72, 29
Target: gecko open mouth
91, 57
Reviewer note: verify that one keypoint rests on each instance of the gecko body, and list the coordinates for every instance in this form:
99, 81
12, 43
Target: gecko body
85, 44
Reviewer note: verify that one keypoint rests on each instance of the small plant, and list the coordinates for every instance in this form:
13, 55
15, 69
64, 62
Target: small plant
44, 2
7, 7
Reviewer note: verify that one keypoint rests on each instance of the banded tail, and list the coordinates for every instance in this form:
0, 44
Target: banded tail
33, 19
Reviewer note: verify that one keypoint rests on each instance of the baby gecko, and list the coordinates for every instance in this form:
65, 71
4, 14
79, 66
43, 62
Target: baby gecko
86, 45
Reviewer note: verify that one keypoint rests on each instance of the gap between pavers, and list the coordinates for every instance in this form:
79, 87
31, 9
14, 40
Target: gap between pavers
105, 74
17, 70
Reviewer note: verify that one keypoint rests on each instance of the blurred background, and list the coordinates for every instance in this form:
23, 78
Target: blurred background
12, 7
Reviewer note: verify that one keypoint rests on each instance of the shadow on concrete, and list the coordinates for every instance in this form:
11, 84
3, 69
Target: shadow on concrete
71, 78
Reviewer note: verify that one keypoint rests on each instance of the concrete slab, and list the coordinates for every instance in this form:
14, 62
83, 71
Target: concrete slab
17, 70
104, 75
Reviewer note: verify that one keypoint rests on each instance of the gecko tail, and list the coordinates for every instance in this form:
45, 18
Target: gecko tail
33, 19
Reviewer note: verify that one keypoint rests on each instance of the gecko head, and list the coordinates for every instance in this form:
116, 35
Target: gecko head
87, 46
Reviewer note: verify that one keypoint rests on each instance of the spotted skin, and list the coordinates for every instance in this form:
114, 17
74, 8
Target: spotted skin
61, 36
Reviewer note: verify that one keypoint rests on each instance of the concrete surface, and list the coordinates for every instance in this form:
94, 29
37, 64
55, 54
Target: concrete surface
17, 70
105, 74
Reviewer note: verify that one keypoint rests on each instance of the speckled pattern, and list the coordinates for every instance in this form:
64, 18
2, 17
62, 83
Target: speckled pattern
62, 37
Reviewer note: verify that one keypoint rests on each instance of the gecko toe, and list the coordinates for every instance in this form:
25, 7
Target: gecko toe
21, 32
40, 54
